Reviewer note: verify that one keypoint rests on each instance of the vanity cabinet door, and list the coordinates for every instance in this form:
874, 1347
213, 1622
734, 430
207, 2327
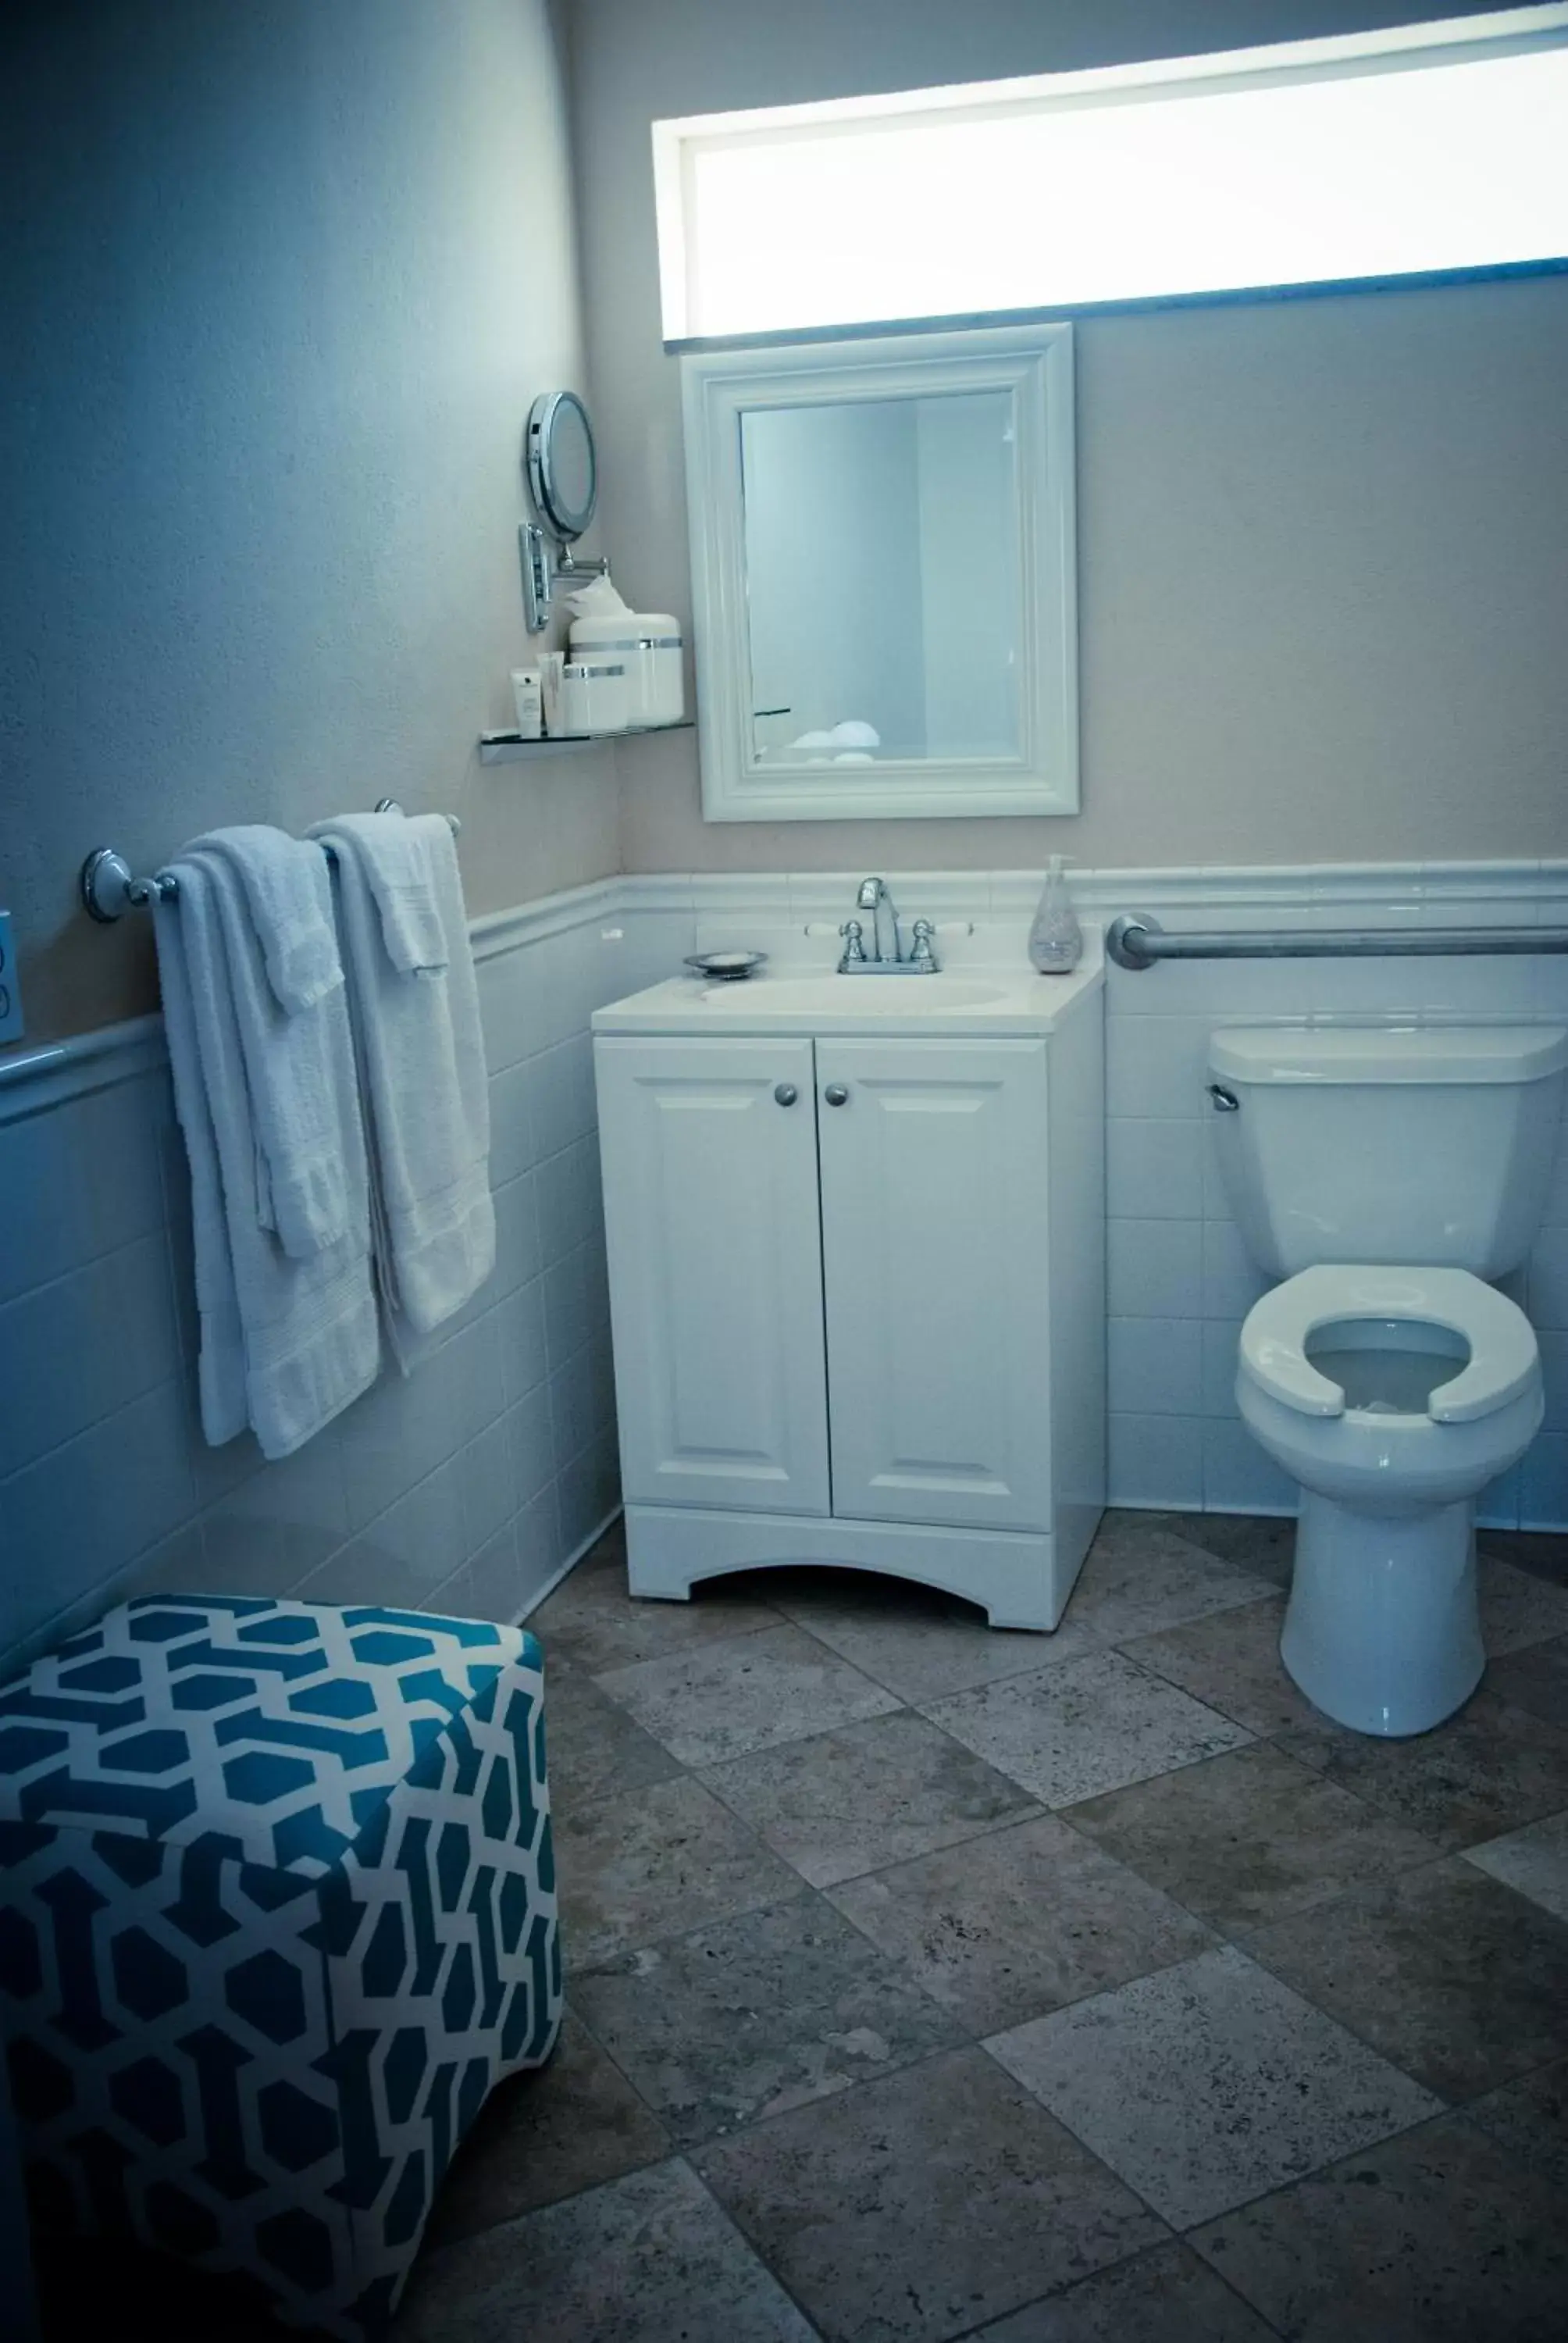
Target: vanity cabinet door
715, 1264
935, 1269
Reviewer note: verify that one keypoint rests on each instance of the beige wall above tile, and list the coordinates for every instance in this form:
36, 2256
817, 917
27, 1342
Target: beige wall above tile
287, 283
1323, 590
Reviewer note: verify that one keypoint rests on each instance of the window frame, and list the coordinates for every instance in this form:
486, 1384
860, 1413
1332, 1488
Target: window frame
677, 143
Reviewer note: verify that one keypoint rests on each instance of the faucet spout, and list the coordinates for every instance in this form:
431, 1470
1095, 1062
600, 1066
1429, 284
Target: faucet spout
874, 898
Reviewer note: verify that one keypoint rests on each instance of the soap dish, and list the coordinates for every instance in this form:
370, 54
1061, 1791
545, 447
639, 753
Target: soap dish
726, 967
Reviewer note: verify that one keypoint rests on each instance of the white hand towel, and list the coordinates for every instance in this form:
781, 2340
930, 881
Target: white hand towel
422, 1065
298, 1064
287, 1343
290, 909
397, 857
220, 1372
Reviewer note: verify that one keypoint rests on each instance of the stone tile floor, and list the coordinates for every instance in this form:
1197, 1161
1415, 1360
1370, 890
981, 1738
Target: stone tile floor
929, 1982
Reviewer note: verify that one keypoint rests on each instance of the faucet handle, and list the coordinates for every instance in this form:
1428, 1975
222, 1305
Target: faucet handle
854, 949
922, 955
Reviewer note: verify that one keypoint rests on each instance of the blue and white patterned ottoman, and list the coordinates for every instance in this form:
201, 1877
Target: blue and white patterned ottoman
277, 1909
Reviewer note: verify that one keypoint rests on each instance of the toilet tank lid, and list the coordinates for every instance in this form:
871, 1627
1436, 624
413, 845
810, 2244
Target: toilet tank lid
1361, 1053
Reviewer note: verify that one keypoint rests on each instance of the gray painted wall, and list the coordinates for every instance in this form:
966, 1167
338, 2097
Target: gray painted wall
279, 282
1325, 591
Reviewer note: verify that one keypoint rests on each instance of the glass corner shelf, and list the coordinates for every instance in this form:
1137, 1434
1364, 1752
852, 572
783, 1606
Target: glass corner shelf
509, 748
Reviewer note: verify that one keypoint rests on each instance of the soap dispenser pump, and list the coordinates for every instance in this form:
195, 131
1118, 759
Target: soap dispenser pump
1055, 938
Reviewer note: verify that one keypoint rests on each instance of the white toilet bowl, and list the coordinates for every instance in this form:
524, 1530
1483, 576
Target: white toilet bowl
1393, 1395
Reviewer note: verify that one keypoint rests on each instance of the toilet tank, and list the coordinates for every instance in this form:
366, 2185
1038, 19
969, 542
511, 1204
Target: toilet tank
1431, 1145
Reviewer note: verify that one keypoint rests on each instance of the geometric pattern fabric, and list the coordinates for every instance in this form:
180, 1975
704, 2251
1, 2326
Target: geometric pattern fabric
276, 1911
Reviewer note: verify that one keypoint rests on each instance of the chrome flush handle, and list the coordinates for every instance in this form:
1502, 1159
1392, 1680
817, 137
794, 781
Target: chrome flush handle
1225, 1101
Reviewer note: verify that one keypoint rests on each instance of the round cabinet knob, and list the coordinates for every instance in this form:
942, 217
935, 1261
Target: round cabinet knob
836, 1094
785, 1093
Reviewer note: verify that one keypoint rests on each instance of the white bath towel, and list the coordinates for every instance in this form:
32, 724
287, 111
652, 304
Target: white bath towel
399, 859
290, 912
297, 1056
286, 1342
415, 1007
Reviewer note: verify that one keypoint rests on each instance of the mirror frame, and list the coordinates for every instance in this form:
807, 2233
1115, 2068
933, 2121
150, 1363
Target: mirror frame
1032, 363
563, 524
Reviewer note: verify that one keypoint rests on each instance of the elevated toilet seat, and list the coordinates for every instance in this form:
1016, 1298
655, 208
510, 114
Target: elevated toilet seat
1502, 1364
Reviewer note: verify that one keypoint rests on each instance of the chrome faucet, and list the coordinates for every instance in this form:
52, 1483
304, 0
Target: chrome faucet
883, 959
874, 898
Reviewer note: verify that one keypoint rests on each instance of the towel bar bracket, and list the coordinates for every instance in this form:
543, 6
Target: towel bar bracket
109, 888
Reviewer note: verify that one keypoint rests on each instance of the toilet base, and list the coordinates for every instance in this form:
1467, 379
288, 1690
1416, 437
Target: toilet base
1382, 1630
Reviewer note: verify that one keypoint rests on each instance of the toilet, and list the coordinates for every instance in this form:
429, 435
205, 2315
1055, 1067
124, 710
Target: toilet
1384, 1176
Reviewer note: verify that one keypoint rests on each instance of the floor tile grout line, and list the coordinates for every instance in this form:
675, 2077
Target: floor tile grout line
1282, 2189
1239, 1937
755, 2250
808, 1890
1444, 2108
1266, 1739
686, 2154
1171, 2233
1144, 2253
982, 1830
1243, 1941
1386, 1812
1442, 2113
1337, 1894
1514, 1830
803, 1891
1225, 1932
679, 1651
675, 2154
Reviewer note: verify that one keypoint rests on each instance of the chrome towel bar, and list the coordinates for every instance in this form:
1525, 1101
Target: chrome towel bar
1135, 940
110, 889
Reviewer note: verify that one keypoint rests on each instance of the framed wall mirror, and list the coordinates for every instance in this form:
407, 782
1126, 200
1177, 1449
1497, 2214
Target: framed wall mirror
884, 576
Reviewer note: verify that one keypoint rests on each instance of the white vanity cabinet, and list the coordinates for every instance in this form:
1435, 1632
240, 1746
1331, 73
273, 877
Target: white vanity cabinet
716, 1277
857, 1284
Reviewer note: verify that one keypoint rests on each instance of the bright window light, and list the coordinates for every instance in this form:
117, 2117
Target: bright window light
1437, 147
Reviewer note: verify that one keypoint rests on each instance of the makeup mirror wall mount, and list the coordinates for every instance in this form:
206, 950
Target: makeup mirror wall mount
883, 570
562, 468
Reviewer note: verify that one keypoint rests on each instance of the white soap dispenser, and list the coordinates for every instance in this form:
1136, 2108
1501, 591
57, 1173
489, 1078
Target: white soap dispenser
1055, 938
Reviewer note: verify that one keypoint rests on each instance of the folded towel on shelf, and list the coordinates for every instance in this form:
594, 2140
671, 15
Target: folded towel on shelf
415, 1007
287, 1340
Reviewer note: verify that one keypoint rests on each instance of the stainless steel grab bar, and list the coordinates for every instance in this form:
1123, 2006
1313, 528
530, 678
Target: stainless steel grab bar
1135, 940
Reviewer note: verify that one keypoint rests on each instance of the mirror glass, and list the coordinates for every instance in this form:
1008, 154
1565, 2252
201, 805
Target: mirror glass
562, 470
882, 579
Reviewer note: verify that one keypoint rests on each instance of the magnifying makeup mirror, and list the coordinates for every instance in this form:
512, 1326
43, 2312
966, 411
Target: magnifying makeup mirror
562, 470
563, 479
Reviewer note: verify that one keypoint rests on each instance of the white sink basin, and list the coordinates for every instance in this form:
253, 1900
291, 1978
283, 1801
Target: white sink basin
877, 996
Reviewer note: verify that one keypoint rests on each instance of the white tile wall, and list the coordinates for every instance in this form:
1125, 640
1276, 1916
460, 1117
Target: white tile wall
466, 1487
472, 1485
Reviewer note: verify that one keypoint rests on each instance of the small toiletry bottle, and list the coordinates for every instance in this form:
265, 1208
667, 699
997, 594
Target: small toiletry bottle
1055, 939
525, 693
552, 665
